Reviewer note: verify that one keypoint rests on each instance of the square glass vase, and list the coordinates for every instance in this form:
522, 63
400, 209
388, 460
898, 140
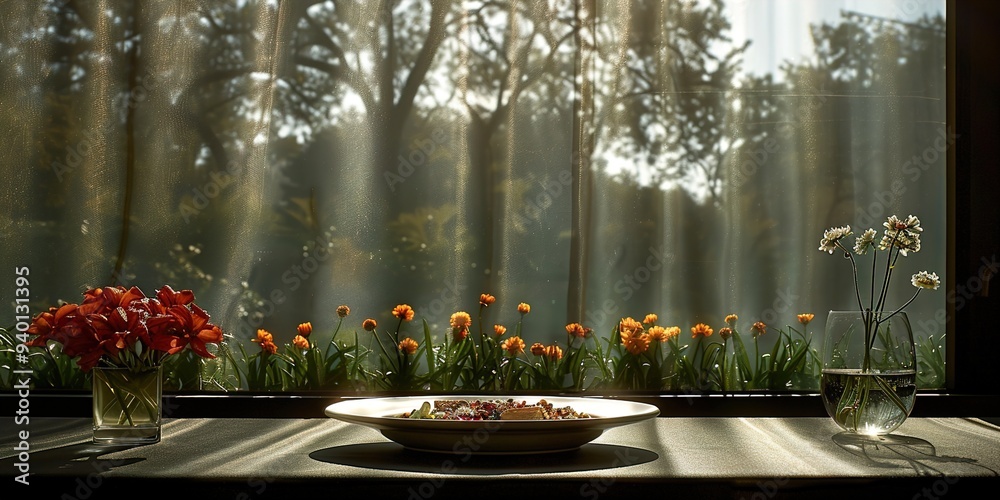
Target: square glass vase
127, 405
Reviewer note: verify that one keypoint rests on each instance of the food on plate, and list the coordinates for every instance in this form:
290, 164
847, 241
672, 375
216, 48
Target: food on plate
492, 409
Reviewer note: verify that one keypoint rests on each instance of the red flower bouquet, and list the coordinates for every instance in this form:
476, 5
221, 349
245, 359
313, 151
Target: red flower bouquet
119, 327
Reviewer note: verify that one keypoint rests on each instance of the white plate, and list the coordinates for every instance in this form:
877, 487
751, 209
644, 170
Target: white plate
490, 436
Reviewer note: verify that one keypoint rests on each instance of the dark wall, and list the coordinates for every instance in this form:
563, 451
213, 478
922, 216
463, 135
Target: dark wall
977, 204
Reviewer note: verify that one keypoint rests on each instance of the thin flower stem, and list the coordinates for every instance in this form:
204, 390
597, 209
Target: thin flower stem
854, 267
481, 334
871, 292
725, 379
120, 400
867, 317
382, 347
889, 264
399, 354
756, 355
897, 311
334, 336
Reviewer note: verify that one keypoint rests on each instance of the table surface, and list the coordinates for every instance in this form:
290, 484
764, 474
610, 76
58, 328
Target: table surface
727, 457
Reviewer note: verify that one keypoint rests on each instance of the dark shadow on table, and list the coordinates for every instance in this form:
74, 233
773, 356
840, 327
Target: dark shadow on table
76, 460
393, 456
898, 451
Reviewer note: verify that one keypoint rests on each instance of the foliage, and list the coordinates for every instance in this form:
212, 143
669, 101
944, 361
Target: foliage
632, 356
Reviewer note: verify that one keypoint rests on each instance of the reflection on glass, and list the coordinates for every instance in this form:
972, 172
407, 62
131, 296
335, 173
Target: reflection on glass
676, 158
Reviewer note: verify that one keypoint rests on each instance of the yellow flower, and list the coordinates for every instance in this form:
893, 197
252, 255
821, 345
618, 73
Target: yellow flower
513, 345
725, 333
650, 319
537, 349
369, 324
486, 299
305, 329
658, 333
499, 330
636, 344
408, 346
343, 311
731, 319
759, 328
403, 312
805, 318
300, 342
523, 308
673, 331
553, 352
701, 329
576, 330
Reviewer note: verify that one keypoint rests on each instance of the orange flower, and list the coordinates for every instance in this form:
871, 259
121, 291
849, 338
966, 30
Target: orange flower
499, 330
759, 328
701, 329
629, 326
650, 319
305, 329
403, 312
266, 341
263, 336
725, 333
300, 342
513, 345
486, 299
461, 319
805, 318
537, 349
460, 323
658, 333
269, 347
731, 319
369, 324
343, 311
673, 331
553, 352
408, 346
576, 330
636, 344
523, 308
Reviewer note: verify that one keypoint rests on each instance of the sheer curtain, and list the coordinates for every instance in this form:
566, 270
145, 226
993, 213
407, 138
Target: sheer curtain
592, 159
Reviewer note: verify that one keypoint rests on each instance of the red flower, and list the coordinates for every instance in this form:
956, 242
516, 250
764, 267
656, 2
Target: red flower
168, 297
103, 300
111, 321
181, 327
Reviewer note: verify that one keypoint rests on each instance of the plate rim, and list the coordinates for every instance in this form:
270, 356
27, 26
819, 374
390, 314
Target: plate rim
340, 411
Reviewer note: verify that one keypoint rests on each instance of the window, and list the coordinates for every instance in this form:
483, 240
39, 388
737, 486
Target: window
593, 160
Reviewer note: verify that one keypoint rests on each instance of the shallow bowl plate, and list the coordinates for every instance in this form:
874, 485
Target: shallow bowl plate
490, 436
